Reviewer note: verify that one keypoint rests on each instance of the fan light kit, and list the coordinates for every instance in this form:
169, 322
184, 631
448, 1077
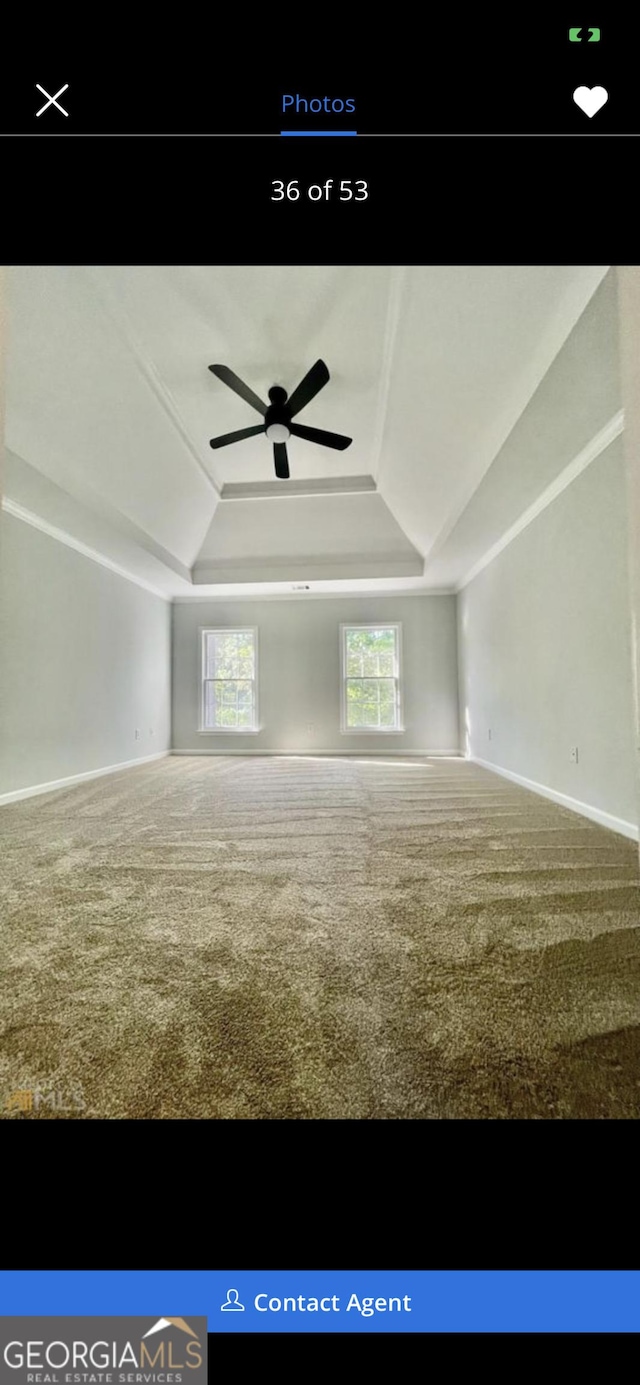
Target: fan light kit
278, 415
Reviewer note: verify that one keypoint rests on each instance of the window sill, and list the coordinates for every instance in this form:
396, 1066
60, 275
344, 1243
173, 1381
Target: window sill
372, 730
229, 731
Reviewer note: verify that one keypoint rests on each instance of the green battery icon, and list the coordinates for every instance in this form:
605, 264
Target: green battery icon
577, 35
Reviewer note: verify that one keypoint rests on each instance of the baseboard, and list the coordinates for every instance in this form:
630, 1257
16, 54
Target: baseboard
338, 753
586, 810
72, 779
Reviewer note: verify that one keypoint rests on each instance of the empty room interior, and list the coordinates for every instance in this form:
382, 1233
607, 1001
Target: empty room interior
319, 728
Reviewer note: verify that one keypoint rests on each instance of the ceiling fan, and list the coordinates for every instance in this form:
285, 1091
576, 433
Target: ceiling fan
278, 415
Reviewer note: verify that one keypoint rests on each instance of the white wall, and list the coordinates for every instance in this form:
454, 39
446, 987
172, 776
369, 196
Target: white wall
629, 307
85, 659
300, 673
545, 648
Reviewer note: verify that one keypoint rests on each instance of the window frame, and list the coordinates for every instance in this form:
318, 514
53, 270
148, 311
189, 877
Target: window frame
204, 730
345, 729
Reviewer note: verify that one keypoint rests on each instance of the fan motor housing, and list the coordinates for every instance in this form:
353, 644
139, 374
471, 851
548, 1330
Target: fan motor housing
278, 416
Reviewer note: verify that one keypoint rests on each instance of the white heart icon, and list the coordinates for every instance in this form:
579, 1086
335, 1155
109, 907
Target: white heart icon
590, 99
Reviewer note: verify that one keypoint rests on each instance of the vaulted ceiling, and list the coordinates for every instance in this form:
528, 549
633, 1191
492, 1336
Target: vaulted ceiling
110, 408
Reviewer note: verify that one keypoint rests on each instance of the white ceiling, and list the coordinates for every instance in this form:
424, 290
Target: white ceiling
109, 398
270, 325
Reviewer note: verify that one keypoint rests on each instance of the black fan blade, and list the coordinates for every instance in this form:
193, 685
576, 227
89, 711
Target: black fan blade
235, 383
281, 460
320, 435
226, 438
313, 382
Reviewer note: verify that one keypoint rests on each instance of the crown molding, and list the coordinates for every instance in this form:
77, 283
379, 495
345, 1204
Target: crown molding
321, 485
568, 313
219, 596
52, 531
594, 448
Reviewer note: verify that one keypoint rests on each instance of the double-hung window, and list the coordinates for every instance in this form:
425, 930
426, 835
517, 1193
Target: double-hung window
371, 678
229, 680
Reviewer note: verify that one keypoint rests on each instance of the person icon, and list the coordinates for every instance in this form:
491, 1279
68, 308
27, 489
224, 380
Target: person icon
232, 1303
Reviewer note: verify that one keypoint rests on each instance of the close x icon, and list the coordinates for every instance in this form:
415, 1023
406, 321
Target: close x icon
52, 100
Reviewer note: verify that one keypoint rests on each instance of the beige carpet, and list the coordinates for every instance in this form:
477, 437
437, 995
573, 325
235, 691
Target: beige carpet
300, 939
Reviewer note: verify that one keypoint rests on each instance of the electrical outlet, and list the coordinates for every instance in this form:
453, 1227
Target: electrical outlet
573, 755
150, 730
137, 733
311, 730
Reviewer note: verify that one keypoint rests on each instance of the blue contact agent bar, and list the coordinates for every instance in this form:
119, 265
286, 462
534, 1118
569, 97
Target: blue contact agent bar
342, 1300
